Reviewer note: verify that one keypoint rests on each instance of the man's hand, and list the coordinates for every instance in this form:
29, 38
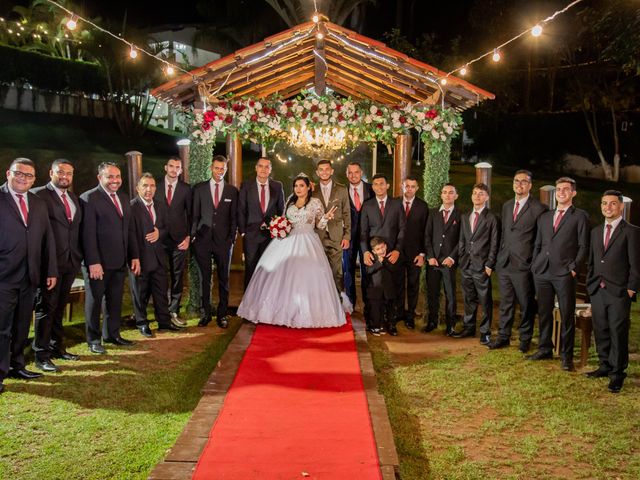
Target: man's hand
135, 266
448, 262
51, 282
153, 236
368, 259
573, 273
433, 262
418, 261
184, 244
96, 272
345, 244
631, 293
488, 271
393, 256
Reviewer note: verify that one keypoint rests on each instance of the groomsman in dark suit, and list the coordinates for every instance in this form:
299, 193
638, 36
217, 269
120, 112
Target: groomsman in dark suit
613, 280
108, 241
175, 196
65, 216
27, 251
413, 251
213, 232
441, 243
259, 200
561, 248
359, 192
477, 251
519, 226
149, 222
382, 216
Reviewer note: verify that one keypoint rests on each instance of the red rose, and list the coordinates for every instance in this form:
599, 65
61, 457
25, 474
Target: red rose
304, 114
379, 113
431, 114
228, 119
252, 103
379, 126
403, 120
289, 114
237, 107
273, 112
265, 110
206, 126
254, 118
289, 103
314, 108
340, 118
209, 116
355, 116
338, 107
223, 104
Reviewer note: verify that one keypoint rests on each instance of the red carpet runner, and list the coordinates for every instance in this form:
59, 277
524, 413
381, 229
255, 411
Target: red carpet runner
296, 410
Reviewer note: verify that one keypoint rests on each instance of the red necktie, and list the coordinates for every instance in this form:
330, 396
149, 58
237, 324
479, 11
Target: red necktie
67, 208
115, 202
475, 222
515, 211
607, 237
558, 219
151, 213
169, 194
356, 200
407, 206
381, 208
263, 199
216, 196
23, 208
446, 216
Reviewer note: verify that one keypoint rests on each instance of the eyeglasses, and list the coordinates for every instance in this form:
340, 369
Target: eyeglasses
19, 174
521, 182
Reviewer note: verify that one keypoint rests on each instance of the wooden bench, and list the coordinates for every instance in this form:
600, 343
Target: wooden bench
76, 295
582, 318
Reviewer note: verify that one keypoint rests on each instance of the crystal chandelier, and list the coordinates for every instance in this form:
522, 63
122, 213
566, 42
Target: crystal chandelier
318, 142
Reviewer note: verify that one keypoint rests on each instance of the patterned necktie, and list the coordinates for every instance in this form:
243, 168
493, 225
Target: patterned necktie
475, 222
407, 206
169, 194
216, 196
607, 237
149, 207
558, 220
23, 208
263, 199
515, 211
115, 202
67, 208
445, 214
381, 208
356, 200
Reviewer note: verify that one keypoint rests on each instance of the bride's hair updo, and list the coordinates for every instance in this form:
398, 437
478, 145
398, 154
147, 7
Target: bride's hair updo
293, 198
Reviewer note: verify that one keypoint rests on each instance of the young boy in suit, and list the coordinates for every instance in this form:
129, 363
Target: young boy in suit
381, 289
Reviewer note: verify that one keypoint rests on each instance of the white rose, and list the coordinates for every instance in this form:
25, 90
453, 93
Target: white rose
435, 134
283, 234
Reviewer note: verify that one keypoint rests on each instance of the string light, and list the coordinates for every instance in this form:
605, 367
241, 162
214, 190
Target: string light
443, 81
463, 71
536, 31
72, 23
315, 18
170, 70
133, 53
319, 36
496, 57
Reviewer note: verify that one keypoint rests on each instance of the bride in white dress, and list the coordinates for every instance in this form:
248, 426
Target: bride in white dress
293, 285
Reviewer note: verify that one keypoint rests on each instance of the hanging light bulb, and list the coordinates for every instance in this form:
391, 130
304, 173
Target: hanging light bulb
496, 57
319, 36
463, 71
443, 81
170, 70
315, 18
133, 53
72, 23
536, 31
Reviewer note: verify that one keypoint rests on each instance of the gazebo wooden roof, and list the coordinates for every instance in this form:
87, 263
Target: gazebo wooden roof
321, 55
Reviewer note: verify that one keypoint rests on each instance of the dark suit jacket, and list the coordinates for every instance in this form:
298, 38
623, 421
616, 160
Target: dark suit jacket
67, 235
217, 225
566, 249
391, 227
416, 224
367, 193
518, 238
441, 241
152, 255
479, 249
381, 280
23, 249
178, 213
250, 216
619, 266
107, 239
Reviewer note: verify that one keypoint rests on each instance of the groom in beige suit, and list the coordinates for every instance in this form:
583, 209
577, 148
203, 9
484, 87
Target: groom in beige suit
336, 237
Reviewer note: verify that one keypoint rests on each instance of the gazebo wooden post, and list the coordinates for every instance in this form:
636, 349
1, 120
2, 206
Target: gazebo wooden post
483, 175
401, 162
134, 170
234, 168
626, 213
548, 196
184, 147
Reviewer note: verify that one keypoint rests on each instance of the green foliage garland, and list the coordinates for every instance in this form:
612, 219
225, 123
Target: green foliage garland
436, 169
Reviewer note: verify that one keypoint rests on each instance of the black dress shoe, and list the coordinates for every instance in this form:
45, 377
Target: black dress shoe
599, 373
449, 331
485, 339
169, 328
567, 365
23, 374
65, 356
540, 355
204, 322
392, 330
465, 333
119, 341
499, 343
223, 322
410, 324
525, 346
615, 385
47, 366
145, 331
375, 331
97, 349
429, 327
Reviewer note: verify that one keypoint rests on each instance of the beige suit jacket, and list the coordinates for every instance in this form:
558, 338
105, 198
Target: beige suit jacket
339, 228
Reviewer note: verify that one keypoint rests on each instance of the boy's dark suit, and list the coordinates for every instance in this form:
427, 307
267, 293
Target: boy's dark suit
381, 293
213, 232
556, 254
441, 241
251, 218
477, 250
610, 274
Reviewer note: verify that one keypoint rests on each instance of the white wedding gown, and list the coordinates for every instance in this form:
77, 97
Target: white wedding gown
293, 285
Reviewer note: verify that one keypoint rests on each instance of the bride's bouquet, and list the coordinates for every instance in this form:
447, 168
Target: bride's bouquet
279, 227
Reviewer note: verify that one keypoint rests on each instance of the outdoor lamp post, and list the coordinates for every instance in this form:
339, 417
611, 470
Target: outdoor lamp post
184, 146
483, 175
548, 196
134, 170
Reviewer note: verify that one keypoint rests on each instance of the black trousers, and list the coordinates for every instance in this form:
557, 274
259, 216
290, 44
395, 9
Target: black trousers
50, 305
476, 290
150, 285
105, 293
409, 276
516, 286
349, 263
547, 287
382, 311
253, 247
611, 330
177, 263
222, 258
16, 305
445, 277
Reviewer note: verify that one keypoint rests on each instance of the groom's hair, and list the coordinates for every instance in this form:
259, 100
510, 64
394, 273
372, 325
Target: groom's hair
324, 162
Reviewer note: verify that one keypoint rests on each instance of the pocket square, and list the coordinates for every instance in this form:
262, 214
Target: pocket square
227, 199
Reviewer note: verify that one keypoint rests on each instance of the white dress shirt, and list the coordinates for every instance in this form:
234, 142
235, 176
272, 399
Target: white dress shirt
25, 196
72, 205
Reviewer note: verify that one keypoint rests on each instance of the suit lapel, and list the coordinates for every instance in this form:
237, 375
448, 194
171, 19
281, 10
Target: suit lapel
614, 236
482, 219
563, 220
523, 210
272, 195
12, 202
57, 202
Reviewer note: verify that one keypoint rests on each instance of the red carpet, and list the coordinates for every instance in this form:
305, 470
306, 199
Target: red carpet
296, 410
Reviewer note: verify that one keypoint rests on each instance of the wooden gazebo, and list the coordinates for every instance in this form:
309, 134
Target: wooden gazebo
320, 55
